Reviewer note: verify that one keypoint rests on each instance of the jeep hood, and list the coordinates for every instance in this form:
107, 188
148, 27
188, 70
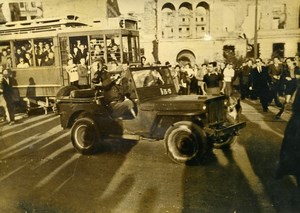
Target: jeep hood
178, 103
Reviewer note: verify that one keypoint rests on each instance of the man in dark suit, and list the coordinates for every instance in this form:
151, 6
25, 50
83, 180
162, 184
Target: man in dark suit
275, 71
259, 82
7, 91
244, 79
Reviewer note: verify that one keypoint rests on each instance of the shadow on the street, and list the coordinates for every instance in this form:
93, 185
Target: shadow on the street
241, 179
42, 171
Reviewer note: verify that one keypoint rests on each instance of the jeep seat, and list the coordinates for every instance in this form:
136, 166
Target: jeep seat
83, 93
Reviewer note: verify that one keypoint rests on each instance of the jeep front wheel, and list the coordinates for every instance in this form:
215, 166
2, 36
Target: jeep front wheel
85, 135
184, 141
224, 141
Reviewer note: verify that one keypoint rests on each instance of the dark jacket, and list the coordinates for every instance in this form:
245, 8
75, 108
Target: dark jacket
290, 148
244, 74
7, 89
260, 80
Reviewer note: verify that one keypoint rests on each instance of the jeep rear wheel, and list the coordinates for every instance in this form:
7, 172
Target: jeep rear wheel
85, 135
184, 141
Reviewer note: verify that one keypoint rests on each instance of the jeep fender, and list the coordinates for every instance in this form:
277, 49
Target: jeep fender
163, 121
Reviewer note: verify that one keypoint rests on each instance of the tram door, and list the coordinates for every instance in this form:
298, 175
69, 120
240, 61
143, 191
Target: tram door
130, 48
75, 48
63, 41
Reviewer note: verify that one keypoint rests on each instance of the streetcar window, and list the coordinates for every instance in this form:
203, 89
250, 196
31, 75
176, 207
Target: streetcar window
134, 48
126, 56
5, 55
79, 49
113, 48
97, 48
44, 52
130, 48
23, 53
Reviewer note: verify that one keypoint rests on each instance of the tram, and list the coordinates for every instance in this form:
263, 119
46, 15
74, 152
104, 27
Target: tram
37, 51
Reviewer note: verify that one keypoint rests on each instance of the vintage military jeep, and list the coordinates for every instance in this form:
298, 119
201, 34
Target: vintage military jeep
187, 123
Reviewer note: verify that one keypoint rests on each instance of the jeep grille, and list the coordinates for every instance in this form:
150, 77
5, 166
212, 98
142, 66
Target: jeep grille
216, 112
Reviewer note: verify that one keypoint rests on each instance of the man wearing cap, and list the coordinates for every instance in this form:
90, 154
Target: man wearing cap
116, 91
6, 90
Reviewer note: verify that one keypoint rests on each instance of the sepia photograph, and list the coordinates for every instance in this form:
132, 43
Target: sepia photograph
156, 106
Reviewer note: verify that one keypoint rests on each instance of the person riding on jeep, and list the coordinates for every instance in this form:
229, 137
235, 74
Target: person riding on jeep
115, 93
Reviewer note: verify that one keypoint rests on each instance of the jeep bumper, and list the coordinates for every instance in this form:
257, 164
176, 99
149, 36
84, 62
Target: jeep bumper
232, 129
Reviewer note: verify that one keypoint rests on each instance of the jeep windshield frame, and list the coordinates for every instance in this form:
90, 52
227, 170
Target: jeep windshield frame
152, 82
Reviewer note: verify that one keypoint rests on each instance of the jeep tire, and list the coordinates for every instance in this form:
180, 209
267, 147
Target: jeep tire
225, 141
85, 135
184, 141
65, 91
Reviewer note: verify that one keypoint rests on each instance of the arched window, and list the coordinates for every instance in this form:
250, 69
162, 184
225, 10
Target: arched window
186, 56
202, 19
185, 15
167, 20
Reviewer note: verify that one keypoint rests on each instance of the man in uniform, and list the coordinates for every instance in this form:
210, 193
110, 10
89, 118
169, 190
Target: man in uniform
115, 93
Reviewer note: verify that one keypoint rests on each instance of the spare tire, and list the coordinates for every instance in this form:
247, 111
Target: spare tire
65, 91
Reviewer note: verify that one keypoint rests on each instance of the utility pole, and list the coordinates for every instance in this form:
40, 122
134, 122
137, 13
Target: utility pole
255, 32
155, 41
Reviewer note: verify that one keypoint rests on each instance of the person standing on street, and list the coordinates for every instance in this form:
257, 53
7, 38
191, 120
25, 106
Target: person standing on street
213, 81
7, 91
290, 148
228, 75
259, 82
290, 77
199, 76
244, 79
275, 71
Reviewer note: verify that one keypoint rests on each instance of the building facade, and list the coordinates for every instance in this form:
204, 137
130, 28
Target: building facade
196, 31
199, 31
89, 10
19, 10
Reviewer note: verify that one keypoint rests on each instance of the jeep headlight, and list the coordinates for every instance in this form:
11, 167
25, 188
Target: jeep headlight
225, 102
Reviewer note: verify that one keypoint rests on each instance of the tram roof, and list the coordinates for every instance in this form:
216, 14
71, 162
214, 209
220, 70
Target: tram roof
47, 27
40, 25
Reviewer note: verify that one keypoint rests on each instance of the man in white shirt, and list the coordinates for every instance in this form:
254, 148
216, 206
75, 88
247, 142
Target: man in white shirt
228, 75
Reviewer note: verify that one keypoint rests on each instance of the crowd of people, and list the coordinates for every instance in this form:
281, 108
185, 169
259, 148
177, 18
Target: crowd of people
24, 50
277, 80
254, 79
43, 50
